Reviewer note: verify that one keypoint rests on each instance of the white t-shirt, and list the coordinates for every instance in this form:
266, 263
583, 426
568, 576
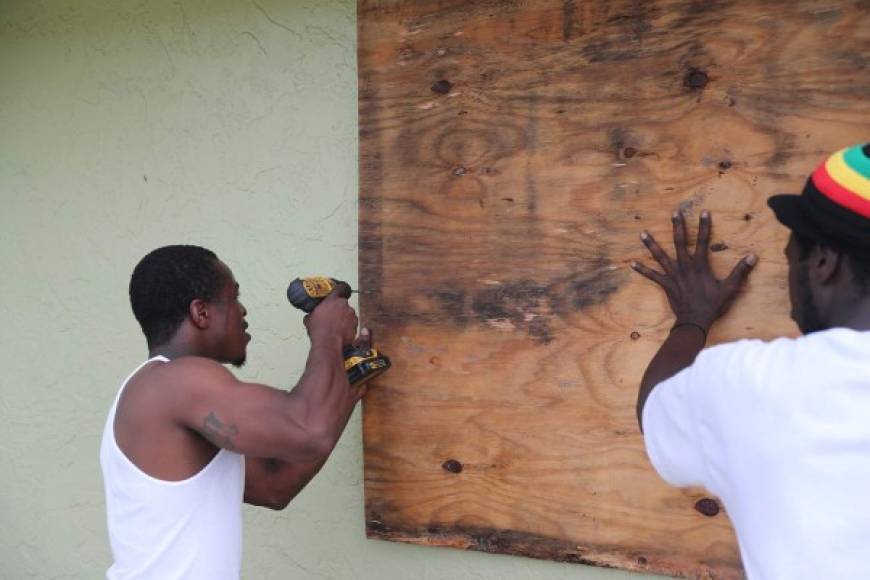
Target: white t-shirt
780, 431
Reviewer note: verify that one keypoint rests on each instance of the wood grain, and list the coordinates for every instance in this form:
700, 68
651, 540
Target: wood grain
510, 153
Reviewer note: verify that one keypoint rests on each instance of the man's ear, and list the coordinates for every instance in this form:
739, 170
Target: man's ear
199, 313
826, 263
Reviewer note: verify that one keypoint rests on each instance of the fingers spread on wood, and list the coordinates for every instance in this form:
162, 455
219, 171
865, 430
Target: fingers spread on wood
702, 247
646, 272
680, 237
741, 271
657, 252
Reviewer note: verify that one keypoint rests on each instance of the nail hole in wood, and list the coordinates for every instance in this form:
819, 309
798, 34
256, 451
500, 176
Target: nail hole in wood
442, 87
452, 466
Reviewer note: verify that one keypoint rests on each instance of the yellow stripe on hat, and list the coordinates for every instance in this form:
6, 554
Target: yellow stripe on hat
847, 177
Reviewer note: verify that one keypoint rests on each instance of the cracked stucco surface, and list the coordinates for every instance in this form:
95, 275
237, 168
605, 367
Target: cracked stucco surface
125, 126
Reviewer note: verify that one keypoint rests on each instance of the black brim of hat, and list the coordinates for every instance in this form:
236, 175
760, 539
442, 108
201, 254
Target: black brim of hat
814, 216
793, 212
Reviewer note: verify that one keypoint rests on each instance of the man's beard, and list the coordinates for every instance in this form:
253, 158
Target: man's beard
239, 362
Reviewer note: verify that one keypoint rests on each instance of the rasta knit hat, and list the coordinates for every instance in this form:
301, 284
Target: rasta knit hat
834, 206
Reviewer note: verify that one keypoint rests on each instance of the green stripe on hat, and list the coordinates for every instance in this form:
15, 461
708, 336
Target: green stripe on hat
857, 160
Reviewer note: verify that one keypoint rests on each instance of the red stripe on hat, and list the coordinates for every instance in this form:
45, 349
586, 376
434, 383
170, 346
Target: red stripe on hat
839, 194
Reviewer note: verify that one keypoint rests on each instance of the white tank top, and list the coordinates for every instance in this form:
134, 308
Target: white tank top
172, 530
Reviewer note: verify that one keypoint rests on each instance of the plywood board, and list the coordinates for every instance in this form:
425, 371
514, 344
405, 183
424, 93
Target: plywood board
510, 153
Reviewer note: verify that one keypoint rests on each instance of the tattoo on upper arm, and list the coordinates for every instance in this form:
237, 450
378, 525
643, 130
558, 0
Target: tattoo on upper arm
219, 432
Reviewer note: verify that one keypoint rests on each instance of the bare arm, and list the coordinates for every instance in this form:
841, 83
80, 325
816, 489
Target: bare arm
273, 483
695, 295
676, 353
259, 421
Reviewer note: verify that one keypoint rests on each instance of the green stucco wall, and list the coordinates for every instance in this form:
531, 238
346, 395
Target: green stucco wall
129, 125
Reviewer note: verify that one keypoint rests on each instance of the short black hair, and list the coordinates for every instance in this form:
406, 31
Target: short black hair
166, 281
859, 263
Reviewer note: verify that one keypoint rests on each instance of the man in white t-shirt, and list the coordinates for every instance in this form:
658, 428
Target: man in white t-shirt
779, 430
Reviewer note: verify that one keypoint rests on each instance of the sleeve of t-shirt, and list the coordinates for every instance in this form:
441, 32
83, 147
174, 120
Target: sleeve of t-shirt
685, 416
670, 430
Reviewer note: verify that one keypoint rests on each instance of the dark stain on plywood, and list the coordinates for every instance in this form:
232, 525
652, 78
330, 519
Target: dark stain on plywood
543, 547
530, 305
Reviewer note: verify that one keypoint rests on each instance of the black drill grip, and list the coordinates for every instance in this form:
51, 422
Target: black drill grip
306, 293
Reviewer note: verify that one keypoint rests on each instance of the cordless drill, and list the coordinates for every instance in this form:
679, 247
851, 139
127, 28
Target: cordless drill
361, 364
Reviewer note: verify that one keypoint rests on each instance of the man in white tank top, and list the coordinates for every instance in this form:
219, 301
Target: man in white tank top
186, 442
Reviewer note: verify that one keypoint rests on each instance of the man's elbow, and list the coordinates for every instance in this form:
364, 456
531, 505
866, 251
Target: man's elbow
278, 503
273, 501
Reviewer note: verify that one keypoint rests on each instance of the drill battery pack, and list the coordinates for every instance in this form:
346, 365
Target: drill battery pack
362, 364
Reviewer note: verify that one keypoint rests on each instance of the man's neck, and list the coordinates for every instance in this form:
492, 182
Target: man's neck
853, 314
173, 350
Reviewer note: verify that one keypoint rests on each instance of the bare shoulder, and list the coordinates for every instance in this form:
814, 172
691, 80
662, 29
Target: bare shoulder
196, 365
184, 390
165, 391
194, 374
